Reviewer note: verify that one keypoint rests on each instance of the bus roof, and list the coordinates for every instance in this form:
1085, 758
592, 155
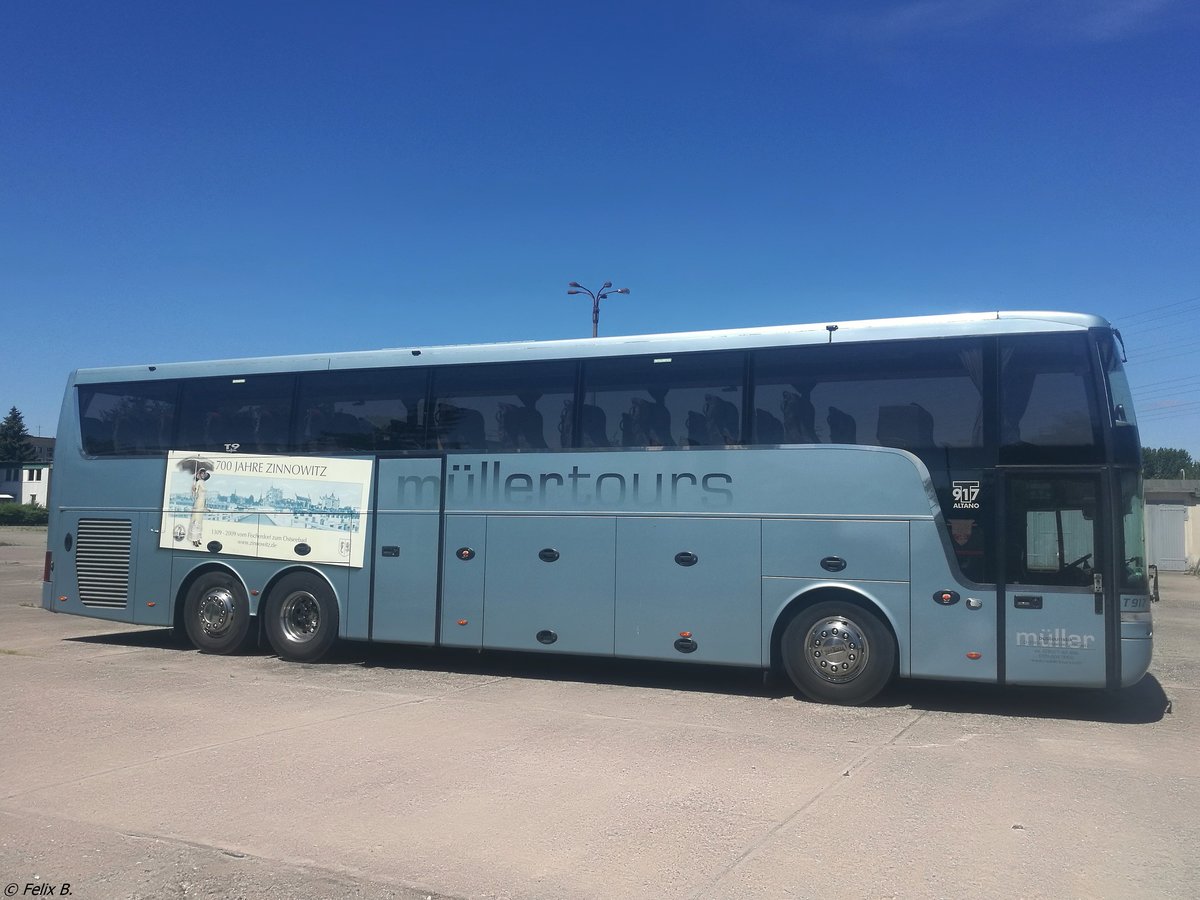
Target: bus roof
901, 328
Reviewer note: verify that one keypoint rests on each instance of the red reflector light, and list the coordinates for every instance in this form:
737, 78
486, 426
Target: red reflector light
49, 567
151, 603
974, 654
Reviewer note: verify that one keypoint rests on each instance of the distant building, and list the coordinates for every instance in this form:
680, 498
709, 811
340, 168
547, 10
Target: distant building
29, 482
1173, 523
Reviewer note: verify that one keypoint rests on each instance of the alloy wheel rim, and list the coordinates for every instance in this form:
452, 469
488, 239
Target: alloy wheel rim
836, 649
216, 611
300, 617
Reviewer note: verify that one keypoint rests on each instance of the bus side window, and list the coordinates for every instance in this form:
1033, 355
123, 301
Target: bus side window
135, 418
799, 416
911, 395
97, 437
592, 433
908, 426
842, 427
1048, 408
270, 428
521, 427
362, 410
686, 400
648, 422
350, 431
500, 406
245, 414
767, 428
718, 425
459, 428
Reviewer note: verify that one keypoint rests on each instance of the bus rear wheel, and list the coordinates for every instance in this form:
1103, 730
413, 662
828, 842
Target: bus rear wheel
837, 652
302, 617
216, 614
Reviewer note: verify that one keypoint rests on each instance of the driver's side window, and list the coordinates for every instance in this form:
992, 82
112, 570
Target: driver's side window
1051, 533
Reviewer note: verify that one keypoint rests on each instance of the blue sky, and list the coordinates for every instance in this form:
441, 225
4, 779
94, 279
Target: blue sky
188, 181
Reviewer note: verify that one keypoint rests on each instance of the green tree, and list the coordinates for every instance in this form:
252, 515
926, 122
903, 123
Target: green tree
14, 438
1168, 462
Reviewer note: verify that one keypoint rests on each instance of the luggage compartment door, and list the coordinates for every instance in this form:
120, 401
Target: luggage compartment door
407, 534
549, 583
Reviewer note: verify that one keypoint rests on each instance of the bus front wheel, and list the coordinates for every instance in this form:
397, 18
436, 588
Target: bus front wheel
302, 617
216, 614
837, 652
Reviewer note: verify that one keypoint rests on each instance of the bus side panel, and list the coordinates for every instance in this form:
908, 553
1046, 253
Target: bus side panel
356, 622
697, 575
153, 572
94, 564
943, 634
855, 550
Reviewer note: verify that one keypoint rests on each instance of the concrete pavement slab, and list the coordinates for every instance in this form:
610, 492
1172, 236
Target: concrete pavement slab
143, 768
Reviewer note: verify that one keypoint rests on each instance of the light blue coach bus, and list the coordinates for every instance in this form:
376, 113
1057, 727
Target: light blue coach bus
947, 497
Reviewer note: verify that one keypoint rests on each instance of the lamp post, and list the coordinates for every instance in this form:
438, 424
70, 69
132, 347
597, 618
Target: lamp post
575, 287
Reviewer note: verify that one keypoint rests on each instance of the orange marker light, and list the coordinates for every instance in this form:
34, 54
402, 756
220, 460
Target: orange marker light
974, 654
151, 603
62, 599
462, 621
685, 634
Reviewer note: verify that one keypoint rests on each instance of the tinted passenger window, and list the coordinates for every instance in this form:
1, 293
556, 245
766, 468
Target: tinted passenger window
1047, 403
376, 410
505, 406
132, 418
915, 395
250, 414
667, 401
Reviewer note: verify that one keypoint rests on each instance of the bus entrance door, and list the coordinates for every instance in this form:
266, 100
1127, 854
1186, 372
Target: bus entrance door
1055, 570
407, 526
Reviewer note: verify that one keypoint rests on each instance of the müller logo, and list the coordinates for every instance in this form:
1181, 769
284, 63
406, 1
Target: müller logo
488, 483
1055, 637
966, 494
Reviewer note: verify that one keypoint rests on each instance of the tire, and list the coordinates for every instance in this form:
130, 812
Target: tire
216, 614
302, 617
836, 652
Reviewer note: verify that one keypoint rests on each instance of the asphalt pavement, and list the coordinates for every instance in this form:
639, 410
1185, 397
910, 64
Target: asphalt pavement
132, 766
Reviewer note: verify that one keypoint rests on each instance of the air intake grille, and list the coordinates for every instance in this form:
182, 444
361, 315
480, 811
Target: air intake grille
102, 548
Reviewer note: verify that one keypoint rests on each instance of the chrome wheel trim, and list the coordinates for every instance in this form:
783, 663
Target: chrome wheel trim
836, 649
300, 617
215, 611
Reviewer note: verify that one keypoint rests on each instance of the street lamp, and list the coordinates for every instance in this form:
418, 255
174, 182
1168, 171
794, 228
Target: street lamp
575, 287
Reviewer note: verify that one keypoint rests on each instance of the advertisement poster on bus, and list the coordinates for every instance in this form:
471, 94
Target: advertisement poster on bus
272, 507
